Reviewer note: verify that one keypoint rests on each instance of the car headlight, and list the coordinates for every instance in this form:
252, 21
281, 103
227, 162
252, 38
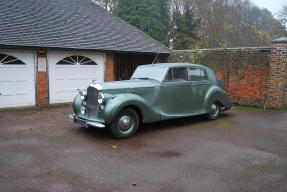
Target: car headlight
83, 110
101, 98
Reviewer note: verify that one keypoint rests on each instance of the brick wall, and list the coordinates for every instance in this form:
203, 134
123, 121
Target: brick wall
252, 76
42, 78
110, 67
277, 82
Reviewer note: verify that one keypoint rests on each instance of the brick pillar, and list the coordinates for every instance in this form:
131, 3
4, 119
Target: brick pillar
110, 67
42, 78
277, 84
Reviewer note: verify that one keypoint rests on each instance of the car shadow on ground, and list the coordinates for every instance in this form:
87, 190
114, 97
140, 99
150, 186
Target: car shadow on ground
179, 122
103, 134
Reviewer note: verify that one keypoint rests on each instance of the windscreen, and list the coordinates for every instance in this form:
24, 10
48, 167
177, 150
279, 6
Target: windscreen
156, 73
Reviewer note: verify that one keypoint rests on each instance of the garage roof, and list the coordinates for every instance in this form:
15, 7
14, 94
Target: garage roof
69, 24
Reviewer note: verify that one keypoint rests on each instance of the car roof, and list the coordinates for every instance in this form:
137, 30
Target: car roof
168, 65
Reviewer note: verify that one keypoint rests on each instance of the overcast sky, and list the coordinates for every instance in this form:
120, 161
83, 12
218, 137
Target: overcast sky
273, 5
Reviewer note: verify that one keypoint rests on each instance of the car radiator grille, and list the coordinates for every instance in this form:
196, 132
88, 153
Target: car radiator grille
92, 107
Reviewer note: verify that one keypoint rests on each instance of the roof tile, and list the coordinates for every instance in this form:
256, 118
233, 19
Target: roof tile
69, 24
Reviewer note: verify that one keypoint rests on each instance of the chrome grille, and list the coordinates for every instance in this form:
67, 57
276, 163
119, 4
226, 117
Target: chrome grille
92, 107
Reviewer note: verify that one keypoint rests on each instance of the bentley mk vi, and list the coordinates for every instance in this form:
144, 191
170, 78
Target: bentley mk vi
155, 92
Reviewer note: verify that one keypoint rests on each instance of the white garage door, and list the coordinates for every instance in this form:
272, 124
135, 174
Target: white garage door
17, 79
69, 72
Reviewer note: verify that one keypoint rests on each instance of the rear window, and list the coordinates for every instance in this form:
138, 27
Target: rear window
196, 74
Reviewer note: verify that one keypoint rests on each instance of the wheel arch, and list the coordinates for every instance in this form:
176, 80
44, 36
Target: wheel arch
216, 94
143, 108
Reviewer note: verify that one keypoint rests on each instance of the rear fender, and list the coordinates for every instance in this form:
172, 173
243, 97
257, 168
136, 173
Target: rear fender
216, 94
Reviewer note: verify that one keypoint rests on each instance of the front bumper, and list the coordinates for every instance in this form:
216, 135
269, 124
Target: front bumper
86, 123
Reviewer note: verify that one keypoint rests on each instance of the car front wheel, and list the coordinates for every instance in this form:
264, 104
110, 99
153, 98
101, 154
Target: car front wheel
214, 111
125, 124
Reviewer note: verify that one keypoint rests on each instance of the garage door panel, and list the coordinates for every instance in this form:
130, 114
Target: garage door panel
68, 72
17, 80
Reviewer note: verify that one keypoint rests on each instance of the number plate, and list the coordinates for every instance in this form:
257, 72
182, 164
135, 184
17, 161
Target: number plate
81, 122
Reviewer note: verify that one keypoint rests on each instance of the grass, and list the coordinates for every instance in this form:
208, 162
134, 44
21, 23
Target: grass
252, 108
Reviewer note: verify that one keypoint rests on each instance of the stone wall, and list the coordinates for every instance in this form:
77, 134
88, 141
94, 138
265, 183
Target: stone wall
252, 76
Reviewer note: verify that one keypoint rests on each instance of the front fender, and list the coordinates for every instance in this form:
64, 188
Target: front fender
77, 104
115, 104
214, 94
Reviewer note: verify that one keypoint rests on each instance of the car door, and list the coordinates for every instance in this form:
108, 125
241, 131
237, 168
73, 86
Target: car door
200, 85
174, 94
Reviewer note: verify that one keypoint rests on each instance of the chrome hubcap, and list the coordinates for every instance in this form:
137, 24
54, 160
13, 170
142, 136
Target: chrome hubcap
214, 109
125, 122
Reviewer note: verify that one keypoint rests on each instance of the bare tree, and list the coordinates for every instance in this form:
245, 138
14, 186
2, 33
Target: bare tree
283, 15
108, 5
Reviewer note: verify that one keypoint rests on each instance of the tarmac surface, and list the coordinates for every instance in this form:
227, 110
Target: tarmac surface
244, 150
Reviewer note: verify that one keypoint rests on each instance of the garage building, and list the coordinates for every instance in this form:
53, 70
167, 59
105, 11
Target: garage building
49, 49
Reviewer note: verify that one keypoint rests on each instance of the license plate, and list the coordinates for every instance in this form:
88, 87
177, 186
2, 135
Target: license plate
81, 122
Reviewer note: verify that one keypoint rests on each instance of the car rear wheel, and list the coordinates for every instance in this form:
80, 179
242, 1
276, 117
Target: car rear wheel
214, 111
125, 124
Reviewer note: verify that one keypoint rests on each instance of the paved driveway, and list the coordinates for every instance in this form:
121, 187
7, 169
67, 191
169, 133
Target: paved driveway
41, 150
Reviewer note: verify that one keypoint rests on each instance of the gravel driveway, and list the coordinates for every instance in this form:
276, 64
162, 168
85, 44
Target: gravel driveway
244, 150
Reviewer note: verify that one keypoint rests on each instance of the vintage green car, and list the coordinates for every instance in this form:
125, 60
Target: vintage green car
155, 92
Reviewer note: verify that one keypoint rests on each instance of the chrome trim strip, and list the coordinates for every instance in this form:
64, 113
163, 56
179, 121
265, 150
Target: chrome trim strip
96, 124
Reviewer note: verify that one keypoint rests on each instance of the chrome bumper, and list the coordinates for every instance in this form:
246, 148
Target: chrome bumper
86, 123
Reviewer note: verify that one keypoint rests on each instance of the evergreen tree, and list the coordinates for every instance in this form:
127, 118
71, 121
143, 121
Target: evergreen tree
184, 34
149, 16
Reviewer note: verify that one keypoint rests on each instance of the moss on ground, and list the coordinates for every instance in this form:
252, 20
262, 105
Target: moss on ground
251, 108
225, 122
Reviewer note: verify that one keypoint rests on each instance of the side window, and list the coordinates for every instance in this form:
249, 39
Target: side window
179, 74
176, 75
196, 74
